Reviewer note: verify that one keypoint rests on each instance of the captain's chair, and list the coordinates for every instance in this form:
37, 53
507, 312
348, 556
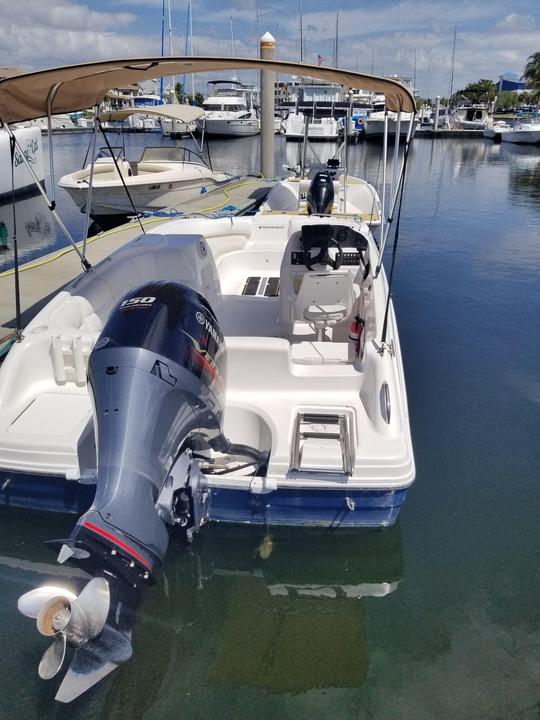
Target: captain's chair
314, 288
324, 299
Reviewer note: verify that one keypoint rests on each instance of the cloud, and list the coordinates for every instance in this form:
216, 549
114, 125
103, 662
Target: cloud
388, 34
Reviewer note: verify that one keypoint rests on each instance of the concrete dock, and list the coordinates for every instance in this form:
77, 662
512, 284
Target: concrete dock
41, 279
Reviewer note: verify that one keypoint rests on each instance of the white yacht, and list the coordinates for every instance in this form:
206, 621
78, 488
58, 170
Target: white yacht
374, 126
319, 128
469, 116
230, 110
164, 176
230, 369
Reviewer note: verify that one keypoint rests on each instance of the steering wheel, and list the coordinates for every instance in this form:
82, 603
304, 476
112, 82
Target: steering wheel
323, 257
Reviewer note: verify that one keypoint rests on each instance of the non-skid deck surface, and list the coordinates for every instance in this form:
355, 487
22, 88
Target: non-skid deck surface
41, 279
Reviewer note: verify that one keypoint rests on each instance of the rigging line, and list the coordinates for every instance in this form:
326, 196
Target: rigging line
120, 174
50, 203
394, 249
18, 330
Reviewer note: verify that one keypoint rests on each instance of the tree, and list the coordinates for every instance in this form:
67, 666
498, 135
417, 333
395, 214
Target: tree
198, 99
507, 100
531, 74
179, 90
481, 91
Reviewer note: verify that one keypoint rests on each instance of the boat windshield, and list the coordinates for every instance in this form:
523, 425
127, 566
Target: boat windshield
105, 153
170, 154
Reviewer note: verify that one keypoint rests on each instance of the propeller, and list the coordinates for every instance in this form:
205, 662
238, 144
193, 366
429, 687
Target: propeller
80, 622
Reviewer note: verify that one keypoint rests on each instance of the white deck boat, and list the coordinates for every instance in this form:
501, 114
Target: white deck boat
230, 111
495, 129
164, 176
525, 130
238, 369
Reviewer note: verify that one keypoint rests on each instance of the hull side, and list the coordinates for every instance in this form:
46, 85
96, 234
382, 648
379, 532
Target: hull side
44, 492
298, 507
231, 128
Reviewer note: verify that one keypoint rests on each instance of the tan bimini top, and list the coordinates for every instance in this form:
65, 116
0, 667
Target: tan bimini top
76, 87
184, 113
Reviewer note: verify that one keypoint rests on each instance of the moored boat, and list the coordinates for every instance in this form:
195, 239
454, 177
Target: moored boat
469, 116
231, 110
22, 182
236, 369
525, 130
163, 177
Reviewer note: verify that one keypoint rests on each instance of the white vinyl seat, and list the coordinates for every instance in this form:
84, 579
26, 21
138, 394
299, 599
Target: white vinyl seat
325, 299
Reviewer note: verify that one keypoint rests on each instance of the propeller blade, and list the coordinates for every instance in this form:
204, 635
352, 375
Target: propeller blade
93, 661
53, 657
31, 602
94, 601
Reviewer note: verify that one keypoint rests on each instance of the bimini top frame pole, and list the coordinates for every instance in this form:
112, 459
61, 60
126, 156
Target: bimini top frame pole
397, 181
51, 205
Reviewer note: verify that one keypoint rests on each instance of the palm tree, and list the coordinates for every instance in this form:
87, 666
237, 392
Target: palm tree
531, 73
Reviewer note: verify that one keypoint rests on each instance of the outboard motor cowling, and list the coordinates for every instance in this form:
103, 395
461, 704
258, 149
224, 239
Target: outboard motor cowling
320, 197
156, 378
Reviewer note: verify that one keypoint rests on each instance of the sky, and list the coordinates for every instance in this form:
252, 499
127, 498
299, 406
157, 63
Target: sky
383, 36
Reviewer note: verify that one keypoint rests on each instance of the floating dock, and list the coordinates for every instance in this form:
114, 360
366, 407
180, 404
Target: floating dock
422, 132
42, 278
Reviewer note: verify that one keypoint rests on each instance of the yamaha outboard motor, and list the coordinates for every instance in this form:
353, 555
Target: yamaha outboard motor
156, 377
320, 197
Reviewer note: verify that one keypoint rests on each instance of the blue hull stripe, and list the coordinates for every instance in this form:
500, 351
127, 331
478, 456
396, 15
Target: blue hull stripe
353, 508
329, 508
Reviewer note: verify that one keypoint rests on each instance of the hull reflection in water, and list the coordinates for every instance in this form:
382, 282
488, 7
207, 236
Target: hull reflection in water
279, 615
36, 233
290, 621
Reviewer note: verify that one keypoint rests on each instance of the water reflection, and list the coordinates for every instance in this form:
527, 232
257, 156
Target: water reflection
524, 176
235, 610
34, 226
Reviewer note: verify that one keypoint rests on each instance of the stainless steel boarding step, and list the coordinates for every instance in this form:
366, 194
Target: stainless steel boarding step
336, 427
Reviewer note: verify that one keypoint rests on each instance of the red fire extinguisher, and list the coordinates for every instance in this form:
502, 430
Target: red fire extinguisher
356, 335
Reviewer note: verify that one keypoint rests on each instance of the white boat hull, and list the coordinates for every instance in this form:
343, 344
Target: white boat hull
230, 127
374, 128
154, 187
522, 137
276, 369
29, 140
176, 128
322, 129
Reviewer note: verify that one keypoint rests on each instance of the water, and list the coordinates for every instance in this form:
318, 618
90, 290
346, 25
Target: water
447, 623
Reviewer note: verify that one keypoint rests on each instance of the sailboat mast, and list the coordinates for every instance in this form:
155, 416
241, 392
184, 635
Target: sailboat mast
162, 46
300, 12
171, 51
451, 86
336, 43
191, 51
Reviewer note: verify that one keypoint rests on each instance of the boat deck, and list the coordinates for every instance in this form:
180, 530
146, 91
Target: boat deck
41, 279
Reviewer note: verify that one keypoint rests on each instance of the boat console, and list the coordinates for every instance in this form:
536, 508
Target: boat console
321, 276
